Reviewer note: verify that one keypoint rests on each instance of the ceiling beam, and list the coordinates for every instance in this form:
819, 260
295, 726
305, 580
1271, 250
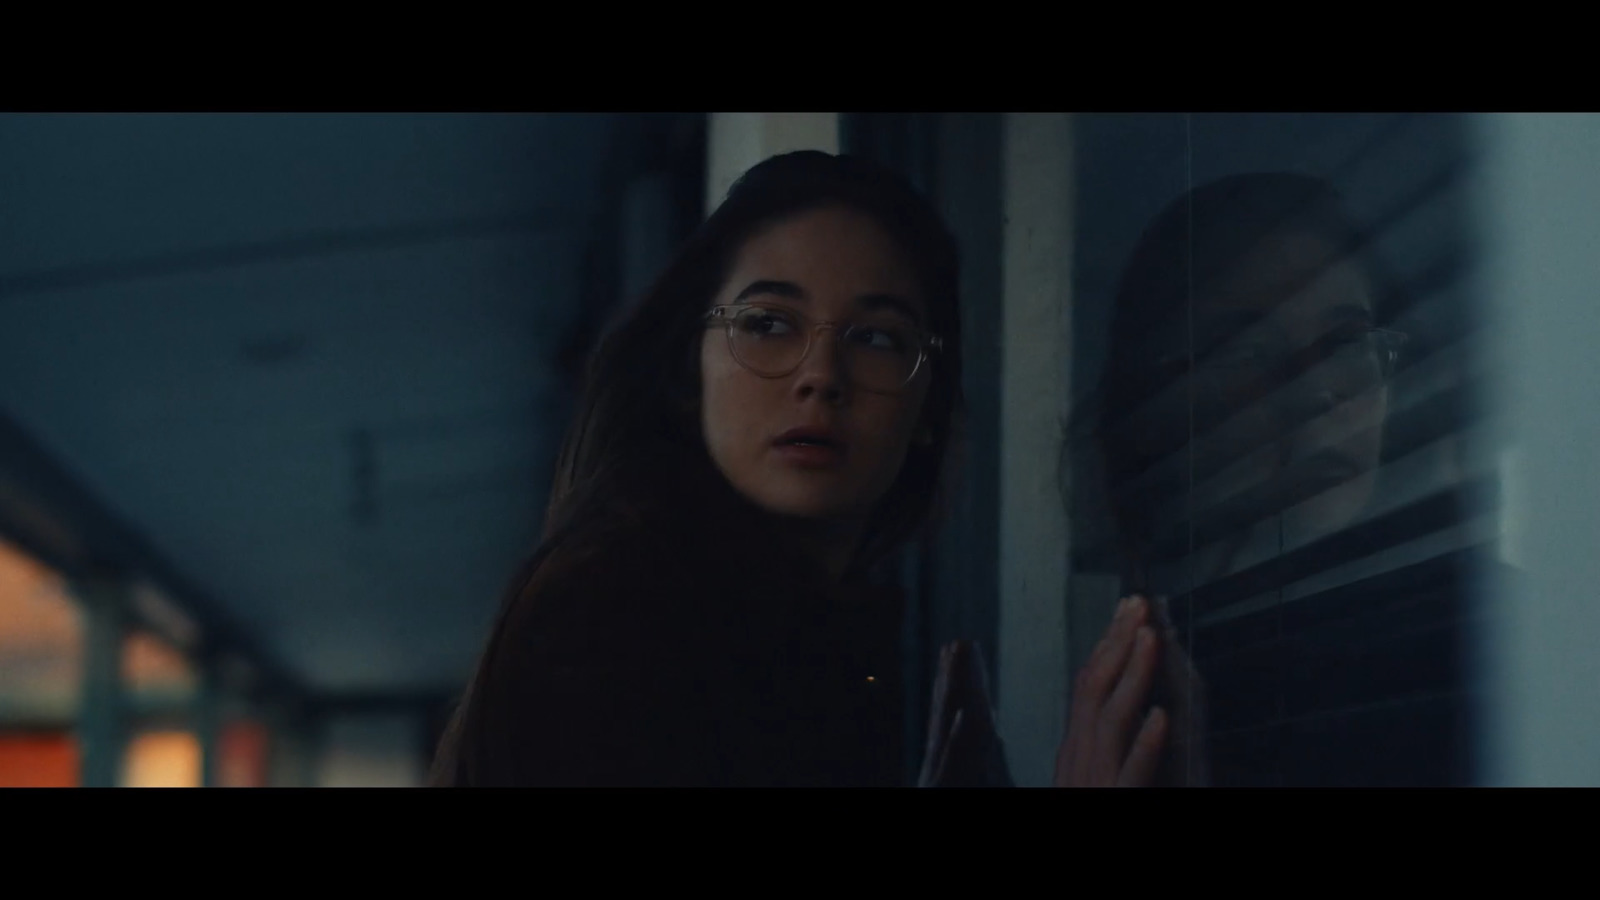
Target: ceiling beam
283, 250
48, 513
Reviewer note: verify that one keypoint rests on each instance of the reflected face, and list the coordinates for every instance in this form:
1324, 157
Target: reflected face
812, 442
1290, 372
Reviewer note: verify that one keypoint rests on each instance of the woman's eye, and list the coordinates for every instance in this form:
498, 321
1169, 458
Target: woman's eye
766, 324
880, 339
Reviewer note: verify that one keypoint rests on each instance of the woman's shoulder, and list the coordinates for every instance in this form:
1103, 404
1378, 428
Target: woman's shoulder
587, 674
601, 573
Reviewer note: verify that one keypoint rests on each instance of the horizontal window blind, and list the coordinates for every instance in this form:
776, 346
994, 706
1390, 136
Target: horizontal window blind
1326, 609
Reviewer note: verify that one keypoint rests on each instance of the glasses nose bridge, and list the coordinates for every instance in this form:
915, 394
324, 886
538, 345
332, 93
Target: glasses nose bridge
839, 328
812, 333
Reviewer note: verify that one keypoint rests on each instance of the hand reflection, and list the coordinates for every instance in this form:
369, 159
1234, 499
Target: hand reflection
1116, 737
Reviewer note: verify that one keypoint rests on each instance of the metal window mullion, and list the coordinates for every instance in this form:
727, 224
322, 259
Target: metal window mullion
103, 720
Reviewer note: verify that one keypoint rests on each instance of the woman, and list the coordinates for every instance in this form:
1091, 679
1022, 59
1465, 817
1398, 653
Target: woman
771, 420
1242, 430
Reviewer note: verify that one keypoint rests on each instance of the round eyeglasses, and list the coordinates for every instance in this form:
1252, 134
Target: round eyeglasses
773, 342
1357, 355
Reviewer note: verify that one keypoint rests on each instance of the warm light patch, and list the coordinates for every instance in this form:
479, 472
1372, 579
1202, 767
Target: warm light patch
242, 756
162, 759
150, 665
43, 760
41, 639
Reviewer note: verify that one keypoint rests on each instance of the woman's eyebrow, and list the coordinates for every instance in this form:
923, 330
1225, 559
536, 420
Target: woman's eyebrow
874, 302
785, 289
791, 291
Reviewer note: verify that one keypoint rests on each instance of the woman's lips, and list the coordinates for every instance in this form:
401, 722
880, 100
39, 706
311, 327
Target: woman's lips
810, 456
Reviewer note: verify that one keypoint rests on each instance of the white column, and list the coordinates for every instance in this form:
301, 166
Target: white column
1036, 336
1540, 223
738, 141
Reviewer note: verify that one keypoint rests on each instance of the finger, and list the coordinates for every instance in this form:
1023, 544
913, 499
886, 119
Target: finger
973, 745
960, 674
1183, 681
959, 682
1145, 755
1162, 615
974, 689
1174, 656
1185, 724
942, 707
966, 762
1083, 746
1128, 615
1105, 666
1122, 708
942, 772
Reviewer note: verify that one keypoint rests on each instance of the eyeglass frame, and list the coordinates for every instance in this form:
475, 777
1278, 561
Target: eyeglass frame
1387, 366
1387, 343
927, 343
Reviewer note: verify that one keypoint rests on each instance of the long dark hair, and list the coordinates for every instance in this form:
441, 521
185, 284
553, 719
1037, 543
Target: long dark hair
635, 452
640, 404
1194, 241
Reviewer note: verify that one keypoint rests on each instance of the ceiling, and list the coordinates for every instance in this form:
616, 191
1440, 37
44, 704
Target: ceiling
313, 360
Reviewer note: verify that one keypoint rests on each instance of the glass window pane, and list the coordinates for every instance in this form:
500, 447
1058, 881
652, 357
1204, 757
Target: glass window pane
41, 648
162, 759
1284, 441
154, 672
41, 643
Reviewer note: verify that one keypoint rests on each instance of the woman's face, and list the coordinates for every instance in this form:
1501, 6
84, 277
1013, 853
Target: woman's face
830, 264
1296, 381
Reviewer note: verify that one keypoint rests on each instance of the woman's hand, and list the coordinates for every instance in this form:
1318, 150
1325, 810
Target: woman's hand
1185, 762
963, 749
1114, 736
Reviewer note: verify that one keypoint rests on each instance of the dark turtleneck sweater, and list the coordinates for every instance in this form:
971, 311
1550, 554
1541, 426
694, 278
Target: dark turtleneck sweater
655, 657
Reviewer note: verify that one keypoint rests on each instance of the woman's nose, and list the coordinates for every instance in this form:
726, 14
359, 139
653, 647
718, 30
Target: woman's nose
1322, 384
823, 371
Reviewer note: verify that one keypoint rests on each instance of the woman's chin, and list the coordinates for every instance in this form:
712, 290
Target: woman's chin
807, 503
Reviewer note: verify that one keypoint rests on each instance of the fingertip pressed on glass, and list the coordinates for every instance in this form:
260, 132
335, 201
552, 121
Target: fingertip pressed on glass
774, 342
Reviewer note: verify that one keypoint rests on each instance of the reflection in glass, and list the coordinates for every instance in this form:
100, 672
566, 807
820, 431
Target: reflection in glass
1280, 442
